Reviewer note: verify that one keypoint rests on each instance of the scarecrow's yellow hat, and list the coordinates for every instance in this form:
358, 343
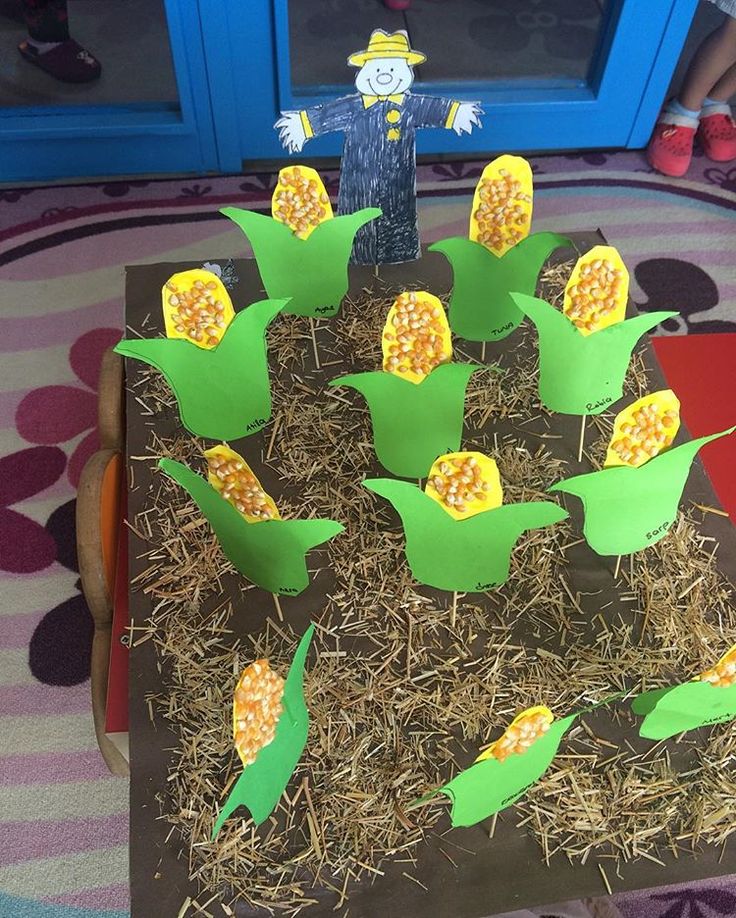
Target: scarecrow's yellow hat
382, 44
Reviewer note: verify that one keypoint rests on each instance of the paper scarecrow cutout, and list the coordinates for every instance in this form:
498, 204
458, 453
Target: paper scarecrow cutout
380, 122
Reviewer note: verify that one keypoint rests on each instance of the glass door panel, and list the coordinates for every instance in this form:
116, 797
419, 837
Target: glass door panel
130, 38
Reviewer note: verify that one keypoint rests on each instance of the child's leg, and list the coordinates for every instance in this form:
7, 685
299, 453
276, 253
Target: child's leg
711, 71
711, 64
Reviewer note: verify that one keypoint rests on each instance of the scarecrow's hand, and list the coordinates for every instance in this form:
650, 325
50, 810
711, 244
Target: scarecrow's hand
291, 131
466, 116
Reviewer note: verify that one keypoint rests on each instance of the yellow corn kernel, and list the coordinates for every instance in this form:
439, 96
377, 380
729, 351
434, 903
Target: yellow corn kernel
464, 484
197, 307
232, 477
300, 200
723, 674
416, 336
524, 730
257, 708
502, 205
598, 289
644, 429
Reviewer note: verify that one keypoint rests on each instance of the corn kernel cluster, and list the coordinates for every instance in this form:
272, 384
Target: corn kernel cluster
599, 291
520, 735
416, 337
723, 674
240, 487
300, 201
256, 709
502, 215
460, 482
650, 430
196, 312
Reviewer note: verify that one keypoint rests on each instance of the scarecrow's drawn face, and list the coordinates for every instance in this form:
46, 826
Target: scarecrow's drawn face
384, 76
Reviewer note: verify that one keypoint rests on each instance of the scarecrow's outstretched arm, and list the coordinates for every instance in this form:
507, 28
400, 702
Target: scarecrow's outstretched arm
435, 111
296, 128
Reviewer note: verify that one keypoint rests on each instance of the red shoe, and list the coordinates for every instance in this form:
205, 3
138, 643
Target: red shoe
671, 148
717, 134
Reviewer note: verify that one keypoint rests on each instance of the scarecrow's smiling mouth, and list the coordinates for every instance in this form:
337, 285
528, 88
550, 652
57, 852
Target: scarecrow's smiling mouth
385, 90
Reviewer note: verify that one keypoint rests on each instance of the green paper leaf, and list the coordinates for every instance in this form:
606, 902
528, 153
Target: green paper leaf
627, 509
261, 785
311, 272
414, 424
489, 786
481, 307
670, 711
581, 374
468, 556
272, 553
222, 393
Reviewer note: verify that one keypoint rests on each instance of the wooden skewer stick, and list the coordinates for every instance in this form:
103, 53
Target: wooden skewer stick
314, 342
582, 438
453, 610
278, 606
618, 565
483, 352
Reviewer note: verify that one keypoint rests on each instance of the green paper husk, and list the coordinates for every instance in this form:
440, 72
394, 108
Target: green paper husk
313, 272
674, 710
223, 393
481, 307
262, 783
628, 509
581, 374
466, 556
413, 424
490, 786
271, 554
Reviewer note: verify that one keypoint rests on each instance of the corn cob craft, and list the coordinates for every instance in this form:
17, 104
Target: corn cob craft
585, 347
214, 360
268, 551
458, 535
499, 255
417, 401
302, 250
503, 773
270, 727
632, 502
709, 698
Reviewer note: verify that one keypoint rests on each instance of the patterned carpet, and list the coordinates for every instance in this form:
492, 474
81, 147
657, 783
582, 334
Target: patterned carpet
63, 823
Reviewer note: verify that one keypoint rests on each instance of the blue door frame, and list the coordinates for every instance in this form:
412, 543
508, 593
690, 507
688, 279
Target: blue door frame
233, 75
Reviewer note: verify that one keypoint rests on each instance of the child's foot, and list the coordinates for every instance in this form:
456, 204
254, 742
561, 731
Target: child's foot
670, 150
66, 60
717, 133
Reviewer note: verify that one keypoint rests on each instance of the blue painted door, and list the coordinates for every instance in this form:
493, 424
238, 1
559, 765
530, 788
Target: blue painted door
149, 113
550, 74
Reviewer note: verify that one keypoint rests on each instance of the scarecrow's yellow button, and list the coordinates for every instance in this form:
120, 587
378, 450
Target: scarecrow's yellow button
393, 133
393, 116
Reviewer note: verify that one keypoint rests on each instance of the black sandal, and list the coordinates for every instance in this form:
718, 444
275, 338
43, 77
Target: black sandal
68, 61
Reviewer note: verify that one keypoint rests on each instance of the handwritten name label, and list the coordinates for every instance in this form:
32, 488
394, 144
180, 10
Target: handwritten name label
720, 718
254, 425
591, 406
323, 309
663, 527
517, 794
288, 591
502, 329
484, 586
